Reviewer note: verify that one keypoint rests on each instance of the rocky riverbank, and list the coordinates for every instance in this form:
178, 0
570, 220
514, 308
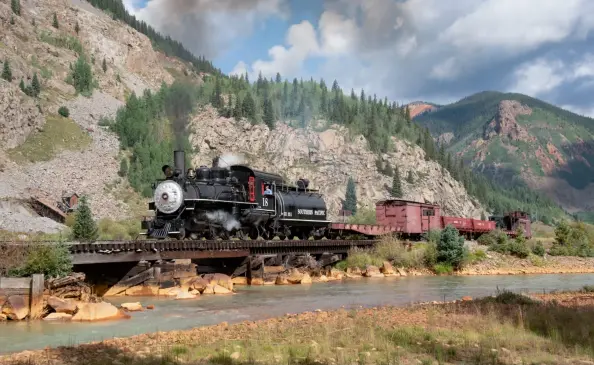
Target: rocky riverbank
487, 330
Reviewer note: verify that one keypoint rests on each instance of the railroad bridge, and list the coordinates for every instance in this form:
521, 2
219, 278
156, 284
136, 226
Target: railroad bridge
103, 252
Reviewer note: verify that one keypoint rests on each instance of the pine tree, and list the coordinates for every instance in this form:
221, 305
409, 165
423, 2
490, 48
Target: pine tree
396, 185
84, 227
6, 72
350, 199
12, 19
237, 110
15, 5
55, 22
35, 86
268, 113
104, 65
248, 109
22, 85
76, 28
407, 115
278, 78
450, 248
409, 177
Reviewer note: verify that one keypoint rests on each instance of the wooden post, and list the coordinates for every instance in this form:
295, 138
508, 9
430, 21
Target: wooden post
248, 271
36, 297
157, 274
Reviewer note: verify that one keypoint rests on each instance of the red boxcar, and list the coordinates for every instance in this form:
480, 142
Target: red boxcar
461, 224
407, 216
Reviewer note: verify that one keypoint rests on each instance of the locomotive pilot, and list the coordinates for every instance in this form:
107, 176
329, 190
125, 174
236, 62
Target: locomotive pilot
168, 171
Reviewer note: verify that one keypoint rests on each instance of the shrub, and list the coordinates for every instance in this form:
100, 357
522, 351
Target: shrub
52, 260
450, 249
538, 249
443, 268
63, 111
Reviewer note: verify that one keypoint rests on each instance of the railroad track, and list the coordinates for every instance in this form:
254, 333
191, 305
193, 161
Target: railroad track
135, 250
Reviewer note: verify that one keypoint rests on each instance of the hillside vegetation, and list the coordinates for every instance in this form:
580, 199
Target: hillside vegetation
517, 141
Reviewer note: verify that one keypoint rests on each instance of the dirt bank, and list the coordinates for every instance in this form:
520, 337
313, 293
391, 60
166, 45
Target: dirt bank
481, 331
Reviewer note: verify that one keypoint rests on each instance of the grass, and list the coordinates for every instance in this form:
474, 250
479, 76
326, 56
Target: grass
56, 135
506, 329
61, 40
388, 249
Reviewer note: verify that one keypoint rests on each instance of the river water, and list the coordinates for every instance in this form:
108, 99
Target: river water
253, 303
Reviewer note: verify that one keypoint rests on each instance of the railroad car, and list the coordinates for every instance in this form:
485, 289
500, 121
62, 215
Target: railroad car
410, 219
225, 201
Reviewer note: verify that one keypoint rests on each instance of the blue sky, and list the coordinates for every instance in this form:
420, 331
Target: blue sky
433, 50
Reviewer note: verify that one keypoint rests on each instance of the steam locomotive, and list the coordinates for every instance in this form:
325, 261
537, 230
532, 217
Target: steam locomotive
232, 201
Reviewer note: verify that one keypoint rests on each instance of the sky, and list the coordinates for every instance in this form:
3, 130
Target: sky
407, 50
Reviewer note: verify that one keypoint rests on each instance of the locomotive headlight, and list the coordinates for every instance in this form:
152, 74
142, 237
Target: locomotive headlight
168, 196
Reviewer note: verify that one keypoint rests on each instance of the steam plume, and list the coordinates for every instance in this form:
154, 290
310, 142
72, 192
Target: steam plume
228, 159
225, 219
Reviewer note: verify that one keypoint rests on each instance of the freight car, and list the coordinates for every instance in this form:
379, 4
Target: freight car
410, 219
232, 201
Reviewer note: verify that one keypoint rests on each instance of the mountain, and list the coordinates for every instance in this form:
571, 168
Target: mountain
517, 139
417, 108
94, 102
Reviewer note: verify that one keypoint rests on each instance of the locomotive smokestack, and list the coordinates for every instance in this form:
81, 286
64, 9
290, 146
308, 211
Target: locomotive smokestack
179, 160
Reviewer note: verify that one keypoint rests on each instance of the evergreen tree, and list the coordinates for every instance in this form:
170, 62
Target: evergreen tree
6, 72
249, 108
237, 110
278, 78
22, 85
350, 200
450, 249
76, 28
82, 76
123, 167
396, 185
12, 20
15, 5
35, 86
84, 227
268, 113
55, 22
104, 65
407, 115
410, 178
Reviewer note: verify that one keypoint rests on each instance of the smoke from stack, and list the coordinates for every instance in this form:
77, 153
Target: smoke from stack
229, 159
225, 219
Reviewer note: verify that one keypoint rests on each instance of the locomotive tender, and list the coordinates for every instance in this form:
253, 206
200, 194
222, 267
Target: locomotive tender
231, 201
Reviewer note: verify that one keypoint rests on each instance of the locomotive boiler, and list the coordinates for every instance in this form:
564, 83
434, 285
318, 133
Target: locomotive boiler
232, 201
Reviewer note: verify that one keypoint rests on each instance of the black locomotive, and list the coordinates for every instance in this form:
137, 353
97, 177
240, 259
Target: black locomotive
221, 202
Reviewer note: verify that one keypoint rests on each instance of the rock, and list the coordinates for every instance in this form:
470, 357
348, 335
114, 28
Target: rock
219, 279
466, 298
235, 355
197, 284
323, 279
185, 295
58, 317
336, 274
16, 308
150, 306
209, 289
170, 292
240, 280
387, 268
401, 271
372, 272
132, 307
257, 281
354, 271
306, 279
97, 312
62, 305
221, 290
295, 276
18, 116
3, 317
194, 292
281, 280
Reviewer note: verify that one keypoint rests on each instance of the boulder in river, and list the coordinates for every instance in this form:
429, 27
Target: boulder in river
67, 306
219, 279
306, 279
58, 317
372, 272
16, 307
132, 307
98, 312
387, 269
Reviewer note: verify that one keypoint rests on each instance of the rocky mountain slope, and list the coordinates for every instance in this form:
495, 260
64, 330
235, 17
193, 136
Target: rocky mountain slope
30, 128
513, 135
419, 107
43, 153
327, 159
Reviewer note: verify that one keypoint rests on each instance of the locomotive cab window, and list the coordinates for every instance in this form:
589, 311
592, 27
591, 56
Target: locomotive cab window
266, 189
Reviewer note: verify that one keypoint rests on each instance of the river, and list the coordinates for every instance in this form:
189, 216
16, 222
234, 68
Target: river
253, 303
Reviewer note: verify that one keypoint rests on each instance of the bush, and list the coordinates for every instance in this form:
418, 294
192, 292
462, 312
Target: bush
63, 111
443, 268
450, 249
538, 249
52, 260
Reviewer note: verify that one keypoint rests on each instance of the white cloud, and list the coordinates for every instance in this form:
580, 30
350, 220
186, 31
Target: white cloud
540, 76
440, 49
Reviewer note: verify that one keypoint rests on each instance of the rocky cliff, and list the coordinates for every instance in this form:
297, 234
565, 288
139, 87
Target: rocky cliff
327, 159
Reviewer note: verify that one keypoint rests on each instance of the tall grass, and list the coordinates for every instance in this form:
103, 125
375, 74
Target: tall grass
390, 249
